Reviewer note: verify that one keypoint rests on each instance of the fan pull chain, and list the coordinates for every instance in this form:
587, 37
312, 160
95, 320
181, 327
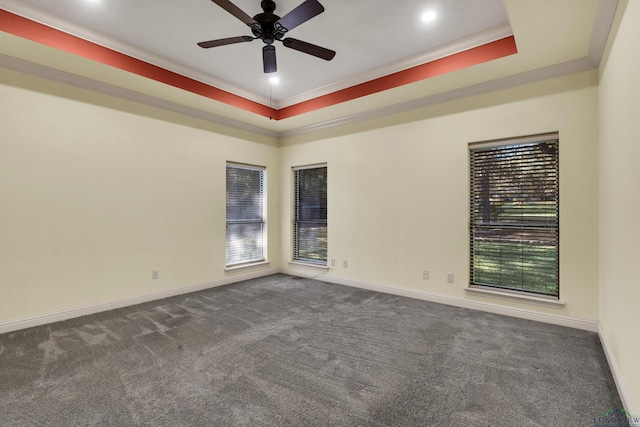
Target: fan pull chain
270, 107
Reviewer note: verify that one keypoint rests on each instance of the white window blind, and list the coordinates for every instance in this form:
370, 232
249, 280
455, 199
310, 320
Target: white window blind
310, 223
245, 214
515, 215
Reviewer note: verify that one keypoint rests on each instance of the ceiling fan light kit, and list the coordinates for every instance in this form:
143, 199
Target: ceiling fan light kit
269, 27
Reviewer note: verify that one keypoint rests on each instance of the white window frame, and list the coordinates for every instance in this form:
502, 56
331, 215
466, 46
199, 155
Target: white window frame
492, 259
297, 257
234, 246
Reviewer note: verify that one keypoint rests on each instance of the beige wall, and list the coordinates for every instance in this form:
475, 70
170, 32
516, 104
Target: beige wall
96, 192
619, 108
398, 189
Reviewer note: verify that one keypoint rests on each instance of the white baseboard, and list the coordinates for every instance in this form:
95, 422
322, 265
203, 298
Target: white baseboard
584, 324
13, 325
29, 322
615, 372
589, 325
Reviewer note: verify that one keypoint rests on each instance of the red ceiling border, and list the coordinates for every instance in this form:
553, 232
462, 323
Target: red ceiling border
478, 55
34, 31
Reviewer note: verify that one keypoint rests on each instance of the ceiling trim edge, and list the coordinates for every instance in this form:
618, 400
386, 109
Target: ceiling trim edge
42, 71
28, 11
457, 46
48, 36
32, 13
558, 70
602, 28
477, 55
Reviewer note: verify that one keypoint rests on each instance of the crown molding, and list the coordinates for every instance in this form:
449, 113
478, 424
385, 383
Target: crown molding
32, 13
570, 67
35, 14
59, 76
482, 38
558, 70
602, 28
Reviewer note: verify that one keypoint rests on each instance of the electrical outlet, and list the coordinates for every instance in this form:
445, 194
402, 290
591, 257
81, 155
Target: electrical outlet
333, 262
425, 274
344, 263
155, 274
449, 277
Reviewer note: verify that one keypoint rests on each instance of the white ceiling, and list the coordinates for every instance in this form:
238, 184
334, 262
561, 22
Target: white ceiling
372, 38
365, 34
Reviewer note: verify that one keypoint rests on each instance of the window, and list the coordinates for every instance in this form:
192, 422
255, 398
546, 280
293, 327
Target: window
514, 215
245, 214
310, 223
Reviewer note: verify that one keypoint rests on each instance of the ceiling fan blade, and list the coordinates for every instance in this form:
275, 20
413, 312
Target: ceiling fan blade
235, 11
299, 15
269, 59
309, 48
222, 42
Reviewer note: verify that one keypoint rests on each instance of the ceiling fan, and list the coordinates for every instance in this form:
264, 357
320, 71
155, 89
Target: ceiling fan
269, 28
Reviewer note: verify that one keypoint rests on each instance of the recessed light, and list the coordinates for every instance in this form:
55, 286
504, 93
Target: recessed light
274, 80
91, 4
429, 16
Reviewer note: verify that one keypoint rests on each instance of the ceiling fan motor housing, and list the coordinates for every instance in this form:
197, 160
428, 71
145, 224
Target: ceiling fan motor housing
269, 27
267, 31
268, 6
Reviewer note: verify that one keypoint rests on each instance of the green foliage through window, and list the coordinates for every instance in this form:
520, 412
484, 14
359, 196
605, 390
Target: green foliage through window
515, 216
310, 224
245, 214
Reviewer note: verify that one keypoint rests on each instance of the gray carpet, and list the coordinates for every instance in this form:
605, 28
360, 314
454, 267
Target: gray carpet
284, 351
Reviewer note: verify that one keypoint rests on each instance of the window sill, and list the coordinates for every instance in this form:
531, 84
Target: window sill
309, 265
512, 296
243, 266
